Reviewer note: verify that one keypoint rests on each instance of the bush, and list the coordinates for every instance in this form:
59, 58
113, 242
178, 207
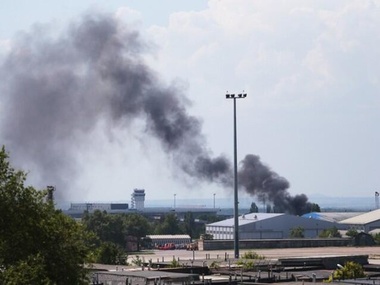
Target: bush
330, 233
174, 263
352, 233
215, 265
350, 270
137, 261
376, 238
246, 264
110, 253
297, 232
252, 255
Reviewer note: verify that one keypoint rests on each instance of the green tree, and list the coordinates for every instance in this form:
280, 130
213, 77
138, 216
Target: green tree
352, 233
210, 218
111, 253
315, 208
376, 238
254, 208
107, 227
169, 226
330, 233
189, 224
37, 242
137, 226
28, 271
114, 228
297, 232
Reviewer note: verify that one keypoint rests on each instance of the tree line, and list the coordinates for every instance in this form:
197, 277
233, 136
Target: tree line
113, 231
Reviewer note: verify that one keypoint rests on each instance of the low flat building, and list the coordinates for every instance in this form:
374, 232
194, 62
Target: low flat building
164, 239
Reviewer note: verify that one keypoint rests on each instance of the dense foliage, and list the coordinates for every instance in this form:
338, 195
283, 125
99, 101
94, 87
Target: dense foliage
38, 244
252, 255
169, 226
352, 233
330, 233
376, 238
254, 208
314, 208
297, 232
350, 270
113, 232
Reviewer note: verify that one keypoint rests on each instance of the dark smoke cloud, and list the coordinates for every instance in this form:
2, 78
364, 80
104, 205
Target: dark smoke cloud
56, 89
260, 181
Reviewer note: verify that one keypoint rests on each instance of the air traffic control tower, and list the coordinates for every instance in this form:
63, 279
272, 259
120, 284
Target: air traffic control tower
137, 199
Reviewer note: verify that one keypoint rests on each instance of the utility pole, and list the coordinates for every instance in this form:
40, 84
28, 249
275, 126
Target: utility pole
236, 201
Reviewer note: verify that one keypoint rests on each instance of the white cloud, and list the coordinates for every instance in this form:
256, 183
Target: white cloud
131, 16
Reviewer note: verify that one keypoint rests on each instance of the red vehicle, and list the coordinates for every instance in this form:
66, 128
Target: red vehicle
167, 246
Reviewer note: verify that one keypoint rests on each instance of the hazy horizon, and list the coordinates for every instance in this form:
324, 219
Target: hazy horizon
362, 203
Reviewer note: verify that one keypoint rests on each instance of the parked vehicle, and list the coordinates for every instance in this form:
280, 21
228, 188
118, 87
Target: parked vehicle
192, 246
167, 246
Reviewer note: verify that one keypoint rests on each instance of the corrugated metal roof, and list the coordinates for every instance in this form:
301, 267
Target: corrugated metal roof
363, 219
246, 219
331, 216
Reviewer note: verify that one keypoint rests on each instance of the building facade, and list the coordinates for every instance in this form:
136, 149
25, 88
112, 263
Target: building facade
268, 226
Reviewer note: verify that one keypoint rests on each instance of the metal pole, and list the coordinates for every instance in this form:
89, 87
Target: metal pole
236, 203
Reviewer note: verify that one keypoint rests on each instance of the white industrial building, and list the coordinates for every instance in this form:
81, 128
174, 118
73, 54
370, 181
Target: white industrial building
268, 226
163, 239
91, 207
367, 222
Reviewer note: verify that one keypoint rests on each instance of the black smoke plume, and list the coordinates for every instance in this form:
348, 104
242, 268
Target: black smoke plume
56, 89
260, 181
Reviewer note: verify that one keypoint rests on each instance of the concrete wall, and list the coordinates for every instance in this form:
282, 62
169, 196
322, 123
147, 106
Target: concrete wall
272, 243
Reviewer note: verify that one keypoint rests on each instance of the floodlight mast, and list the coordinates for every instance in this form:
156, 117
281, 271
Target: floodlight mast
236, 201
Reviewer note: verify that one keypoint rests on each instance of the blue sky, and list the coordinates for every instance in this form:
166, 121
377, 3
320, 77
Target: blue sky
312, 74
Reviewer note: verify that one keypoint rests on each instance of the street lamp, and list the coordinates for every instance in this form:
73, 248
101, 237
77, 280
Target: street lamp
214, 200
236, 212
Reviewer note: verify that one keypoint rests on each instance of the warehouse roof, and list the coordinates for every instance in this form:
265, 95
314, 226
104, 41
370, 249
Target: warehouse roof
246, 219
363, 219
168, 236
333, 217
